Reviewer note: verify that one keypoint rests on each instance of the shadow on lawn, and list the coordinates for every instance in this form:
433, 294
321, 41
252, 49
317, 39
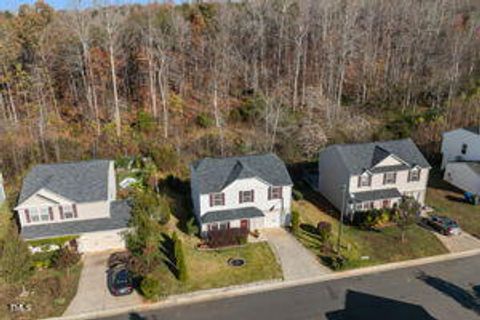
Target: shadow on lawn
455, 198
167, 247
468, 299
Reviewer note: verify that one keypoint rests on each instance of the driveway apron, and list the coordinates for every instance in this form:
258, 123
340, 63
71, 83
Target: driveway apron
297, 262
92, 294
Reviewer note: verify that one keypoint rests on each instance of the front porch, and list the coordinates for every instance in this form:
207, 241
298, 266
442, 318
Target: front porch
250, 218
375, 199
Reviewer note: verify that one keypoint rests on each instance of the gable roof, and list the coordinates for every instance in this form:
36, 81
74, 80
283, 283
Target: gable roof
84, 181
364, 156
214, 174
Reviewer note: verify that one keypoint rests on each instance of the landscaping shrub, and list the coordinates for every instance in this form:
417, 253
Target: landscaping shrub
228, 237
204, 120
192, 227
150, 287
324, 230
65, 258
335, 261
297, 195
179, 258
15, 258
295, 222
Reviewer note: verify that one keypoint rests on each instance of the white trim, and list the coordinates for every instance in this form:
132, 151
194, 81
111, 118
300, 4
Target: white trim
48, 195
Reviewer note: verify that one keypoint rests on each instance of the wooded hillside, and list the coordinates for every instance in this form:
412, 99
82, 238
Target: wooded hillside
186, 81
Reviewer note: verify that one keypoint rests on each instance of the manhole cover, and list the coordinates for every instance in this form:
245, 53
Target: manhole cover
236, 262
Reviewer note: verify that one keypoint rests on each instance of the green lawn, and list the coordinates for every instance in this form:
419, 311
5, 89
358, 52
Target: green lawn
448, 201
363, 248
209, 269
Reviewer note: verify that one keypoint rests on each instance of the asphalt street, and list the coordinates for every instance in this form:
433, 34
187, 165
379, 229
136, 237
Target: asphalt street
446, 290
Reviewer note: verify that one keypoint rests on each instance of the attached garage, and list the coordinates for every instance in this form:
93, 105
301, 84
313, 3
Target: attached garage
464, 175
101, 241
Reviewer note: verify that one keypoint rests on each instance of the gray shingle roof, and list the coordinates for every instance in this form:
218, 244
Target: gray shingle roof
214, 174
376, 195
360, 157
232, 214
84, 181
473, 129
119, 218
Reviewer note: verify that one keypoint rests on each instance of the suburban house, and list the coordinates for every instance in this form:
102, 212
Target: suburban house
360, 177
251, 192
77, 199
461, 145
461, 158
2, 190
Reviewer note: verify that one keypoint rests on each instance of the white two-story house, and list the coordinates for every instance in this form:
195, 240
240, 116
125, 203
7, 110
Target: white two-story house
74, 199
461, 158
461, 145
252, 192
361, 177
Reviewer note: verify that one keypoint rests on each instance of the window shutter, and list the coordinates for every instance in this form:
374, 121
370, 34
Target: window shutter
50, 212
211, 199
74, 208
359, 181
223, 199
281, 192
419, 174
394, 177
60, 208
269, 193
409, 177
240, 197
253, 195
27, 216
384, 178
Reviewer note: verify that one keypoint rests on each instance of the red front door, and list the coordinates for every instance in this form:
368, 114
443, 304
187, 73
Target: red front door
244, 224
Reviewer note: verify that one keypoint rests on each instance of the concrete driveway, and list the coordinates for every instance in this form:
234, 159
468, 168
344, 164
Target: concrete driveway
93, 294
297, 262
462, 242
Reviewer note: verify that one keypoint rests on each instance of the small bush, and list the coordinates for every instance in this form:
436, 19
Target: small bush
15, 258
204, 120
297, 195
191, 227
179, 258
228, 237
295, 222
150, 287
324, 230
65, 258
335, 262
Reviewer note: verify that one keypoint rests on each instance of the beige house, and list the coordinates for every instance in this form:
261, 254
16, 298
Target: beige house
360, 177
73, 199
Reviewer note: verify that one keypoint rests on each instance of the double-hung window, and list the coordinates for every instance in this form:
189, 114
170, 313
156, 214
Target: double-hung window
39, 214
274, 193
364, 180
390, 178
217, 199
246, 196
68, 212
414, 175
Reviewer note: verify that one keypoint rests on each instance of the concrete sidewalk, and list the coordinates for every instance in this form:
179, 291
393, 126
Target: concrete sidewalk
297, 262
459, 243
213, 294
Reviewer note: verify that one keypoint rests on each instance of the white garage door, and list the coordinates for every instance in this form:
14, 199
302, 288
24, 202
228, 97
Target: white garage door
101, 241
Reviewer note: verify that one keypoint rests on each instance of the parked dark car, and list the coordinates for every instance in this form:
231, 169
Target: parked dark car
443, 225
119, 281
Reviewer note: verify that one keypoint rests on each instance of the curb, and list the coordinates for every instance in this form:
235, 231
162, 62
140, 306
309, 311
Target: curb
263, 286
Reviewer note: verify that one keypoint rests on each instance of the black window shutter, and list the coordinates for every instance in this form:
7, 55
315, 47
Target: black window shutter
50, 212
269, 193
61, 212
27, 215
223, 199
211, 199
240, 197
74, 207
253, 195
359, 181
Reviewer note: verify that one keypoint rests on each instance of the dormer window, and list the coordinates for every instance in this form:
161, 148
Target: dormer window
364, 180
414, 175
390, 178
464, 148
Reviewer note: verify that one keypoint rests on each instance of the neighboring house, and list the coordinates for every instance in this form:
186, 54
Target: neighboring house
360, 177
2, 190
464, 175
461, 145
461, 158
73, 199
252, 192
